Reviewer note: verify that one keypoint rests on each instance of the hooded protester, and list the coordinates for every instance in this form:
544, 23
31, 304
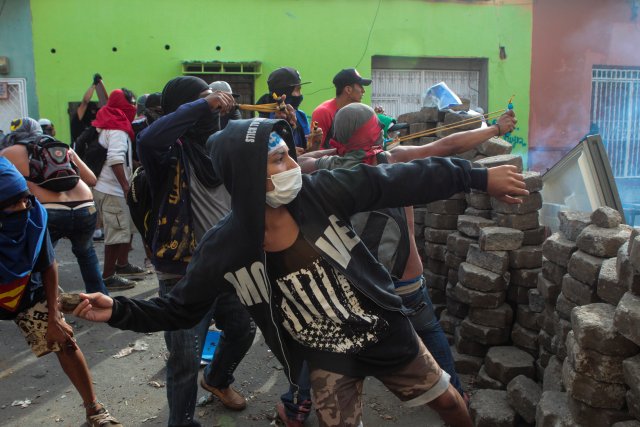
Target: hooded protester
22, 130
307, 279
173, 153
29, 287
222, 86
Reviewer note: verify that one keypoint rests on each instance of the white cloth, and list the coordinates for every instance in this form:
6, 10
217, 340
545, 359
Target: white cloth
119, 151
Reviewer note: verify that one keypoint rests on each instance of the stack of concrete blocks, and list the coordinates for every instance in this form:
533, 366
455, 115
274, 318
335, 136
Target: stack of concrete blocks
425, 119
627, 317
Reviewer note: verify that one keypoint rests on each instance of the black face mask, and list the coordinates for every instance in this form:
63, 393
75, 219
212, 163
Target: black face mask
294, 101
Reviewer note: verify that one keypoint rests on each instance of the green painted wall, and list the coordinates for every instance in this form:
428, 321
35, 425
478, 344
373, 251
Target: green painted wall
17, 45
317, 37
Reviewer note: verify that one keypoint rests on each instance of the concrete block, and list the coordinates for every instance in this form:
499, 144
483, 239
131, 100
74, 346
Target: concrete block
526, 257
435, 281
505, 159
594, 328
478, 298
548, 289
536, 301
523, 394
479, 279
631, 372
459, 244
606, 217
447, 206
426, 114
553, 410
494, 147
453, 261
585, 267
499, 239
594, 393
559, 249
525, 339
452, 276
552, 380
552, 271
548, 324
435, 235
593, 364
526, 221
466, 364
478, 200
455, 307
532, 180
418, 215
501, 317
530, 203
504, 363
631, 423
470, 347
628, 278
489, 408
482, 213
528, 318
578, 292
572, 223
517, 294
435, 251
494, 261
471, 225
610, 288
449, 323
633, 403
587, 415
634, 253
545, 340
525, 277
485, 335
627, 317
441, 221
564, 306
437, 267
603, 242
534, 237
484, 381
543, 358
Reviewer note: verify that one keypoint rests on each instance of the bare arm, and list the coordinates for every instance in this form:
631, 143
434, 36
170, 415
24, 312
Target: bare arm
118, 171
58, 331
101, 91
86, 174
456, 143
82, 108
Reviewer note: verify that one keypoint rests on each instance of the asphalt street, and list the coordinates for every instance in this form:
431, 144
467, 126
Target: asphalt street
133, 387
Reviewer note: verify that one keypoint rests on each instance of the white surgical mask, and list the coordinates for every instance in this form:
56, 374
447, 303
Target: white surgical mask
287, 186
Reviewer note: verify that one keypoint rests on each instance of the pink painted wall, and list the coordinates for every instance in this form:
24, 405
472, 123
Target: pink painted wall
569, 37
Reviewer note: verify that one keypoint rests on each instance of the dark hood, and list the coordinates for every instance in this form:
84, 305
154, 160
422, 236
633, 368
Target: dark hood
239, 157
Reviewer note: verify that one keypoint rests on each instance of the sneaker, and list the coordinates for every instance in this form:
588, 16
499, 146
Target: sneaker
98, 235
229, 397
117, 283
281, 414
130, 271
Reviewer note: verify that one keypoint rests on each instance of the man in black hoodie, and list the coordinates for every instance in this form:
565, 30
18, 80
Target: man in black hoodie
316, 292
188, 199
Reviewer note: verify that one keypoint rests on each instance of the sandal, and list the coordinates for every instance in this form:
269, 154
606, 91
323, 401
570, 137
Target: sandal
102, 419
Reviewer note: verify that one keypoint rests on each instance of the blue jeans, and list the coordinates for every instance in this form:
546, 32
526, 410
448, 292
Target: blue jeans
298, 407
78, 226
424, 321
185, 350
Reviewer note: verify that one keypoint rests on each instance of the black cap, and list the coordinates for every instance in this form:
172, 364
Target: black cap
349, 76
283, 78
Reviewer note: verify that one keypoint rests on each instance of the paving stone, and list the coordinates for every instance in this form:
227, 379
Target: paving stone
441, 221
449, 323
631, 371
528, 318
594, 328
526, 257
485, 335
633, 403
572, 223
548, 324
530, 203
470, 347
479, 200
593, 364
495, 147
564, 306
505, 159
435, 281
500, 239
461, 195
483, 213
552, 271
525, 339
606, 217
435, 235
577, 292
437, 267
534, 237
545, 340
479, 279
426, 114
484, 381
559, 249
455, 307
552, 379
609, 288
418, 215
596, 417
478, 298
501, 317
471, 225
603, 242
629, 278
553, 410
634, 253
594, 393
562, 328
525, 277
504, 363
526, 221
447, 206
543, 358
548, 290
452, 275
518, 294
459, 244
453, 261
533, 181
466, 364
495, 261
631, 423
489, 408
536, 301
627, 317
436, 251
585, 267
523, 394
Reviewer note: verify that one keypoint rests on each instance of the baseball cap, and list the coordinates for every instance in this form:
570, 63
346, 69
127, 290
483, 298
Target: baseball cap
284, 77
349, 76
222, 86
44, 122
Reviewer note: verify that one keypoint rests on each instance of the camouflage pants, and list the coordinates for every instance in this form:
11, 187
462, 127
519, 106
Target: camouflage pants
33, 323
338, 398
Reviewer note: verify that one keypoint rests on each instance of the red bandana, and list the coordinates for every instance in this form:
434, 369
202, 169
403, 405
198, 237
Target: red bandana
364, 138
117, 114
